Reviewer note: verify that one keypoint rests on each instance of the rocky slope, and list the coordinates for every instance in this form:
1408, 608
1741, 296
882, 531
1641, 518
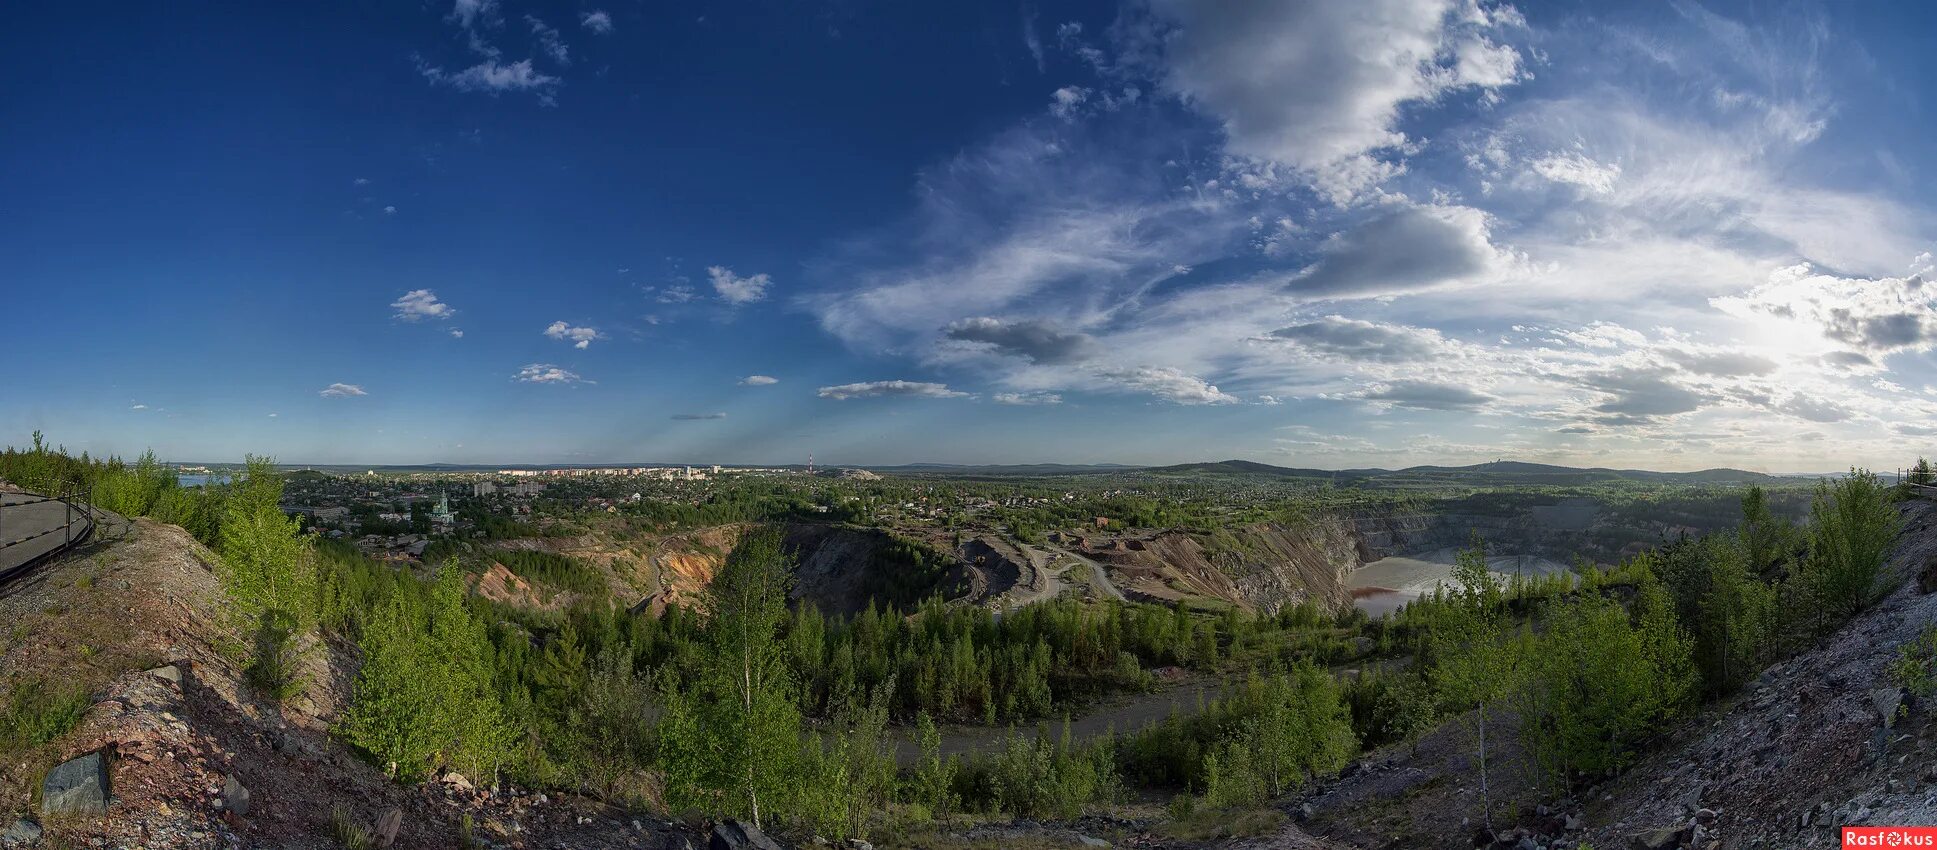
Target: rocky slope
1820, 740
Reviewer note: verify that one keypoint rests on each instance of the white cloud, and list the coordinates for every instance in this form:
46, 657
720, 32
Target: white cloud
1427, 395
1320, 86
579, 337
1027, 398
420, 304
550, 41
1169, 384
1578, 170
759, 381
697, 417
138, 407
471, 12
597, 21
360, 181
738, 290
546, 373
388, 210
493, 77
1065, 101
1874, 318
341, 391
1403, 249
875, 389
274, 415
457, 333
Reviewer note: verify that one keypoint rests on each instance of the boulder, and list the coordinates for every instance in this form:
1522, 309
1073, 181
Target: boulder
169, 673
22, 832
387, 825
78, 786
1658, 839
1887, 701
739, 835
235, 797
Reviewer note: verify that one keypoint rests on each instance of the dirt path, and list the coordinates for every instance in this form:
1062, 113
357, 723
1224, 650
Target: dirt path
1100, 578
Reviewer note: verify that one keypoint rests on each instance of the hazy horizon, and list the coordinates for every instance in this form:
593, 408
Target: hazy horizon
1327, 235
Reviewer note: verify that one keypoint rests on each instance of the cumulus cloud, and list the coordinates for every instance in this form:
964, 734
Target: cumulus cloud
1027, 398
1875, 317
1354, 339
1641, 394
420, 304
696, 417
457, 332
1815, 410
341, 391
1406, 249
1031, 339
876, 389
1167, 383
546, 373
738, 290
578, 337
759, 381
1320, 86
597, 21
1427, 395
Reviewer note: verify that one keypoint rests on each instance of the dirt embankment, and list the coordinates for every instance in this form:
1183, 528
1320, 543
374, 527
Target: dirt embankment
140, 623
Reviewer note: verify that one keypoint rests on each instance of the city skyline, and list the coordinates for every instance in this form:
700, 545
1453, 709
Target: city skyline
1381, 234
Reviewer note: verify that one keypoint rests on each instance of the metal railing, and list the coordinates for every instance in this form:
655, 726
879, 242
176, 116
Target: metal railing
76, 502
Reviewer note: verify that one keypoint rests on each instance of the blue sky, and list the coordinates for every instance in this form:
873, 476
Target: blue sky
1380, 233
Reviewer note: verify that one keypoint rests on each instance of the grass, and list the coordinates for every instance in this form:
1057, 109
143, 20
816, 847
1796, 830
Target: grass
37, 713
349, 831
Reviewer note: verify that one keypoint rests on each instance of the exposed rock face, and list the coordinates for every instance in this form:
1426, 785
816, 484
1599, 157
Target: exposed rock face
1265, 567
79, 786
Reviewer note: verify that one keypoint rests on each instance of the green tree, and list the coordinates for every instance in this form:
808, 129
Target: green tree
1853, 525
1597, 685
424, 697
735, 735
1765, 538
1478, 658
933, 782
268, 573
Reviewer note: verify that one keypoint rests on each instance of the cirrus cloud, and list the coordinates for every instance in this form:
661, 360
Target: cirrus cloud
341, 391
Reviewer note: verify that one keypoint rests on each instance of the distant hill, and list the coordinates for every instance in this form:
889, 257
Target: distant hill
1003, 469
1506, 472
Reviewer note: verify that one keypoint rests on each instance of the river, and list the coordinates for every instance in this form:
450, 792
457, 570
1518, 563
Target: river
1380, 587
